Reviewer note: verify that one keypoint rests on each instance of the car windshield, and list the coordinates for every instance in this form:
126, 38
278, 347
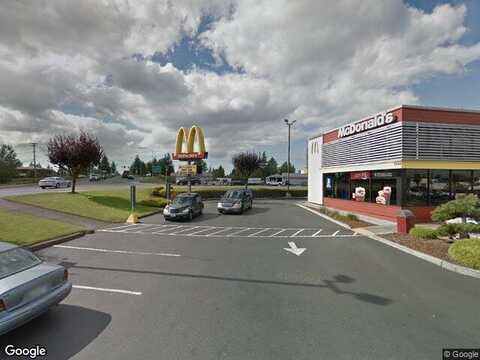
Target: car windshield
182, 200
233, 195
16, 260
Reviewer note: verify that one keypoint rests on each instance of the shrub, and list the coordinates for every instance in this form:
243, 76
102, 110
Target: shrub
466, 252
423, 233
216, 193
462, 229
463, 206
158, 191
154, 202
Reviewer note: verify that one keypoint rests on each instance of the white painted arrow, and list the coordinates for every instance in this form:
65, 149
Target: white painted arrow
294, 249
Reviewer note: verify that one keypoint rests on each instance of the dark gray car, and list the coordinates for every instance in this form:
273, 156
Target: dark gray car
28, 286
184, 206
235, 201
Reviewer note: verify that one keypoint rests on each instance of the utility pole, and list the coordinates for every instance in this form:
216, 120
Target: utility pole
34, 145
289, 124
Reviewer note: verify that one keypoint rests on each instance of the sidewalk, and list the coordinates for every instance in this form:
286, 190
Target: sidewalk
52, 214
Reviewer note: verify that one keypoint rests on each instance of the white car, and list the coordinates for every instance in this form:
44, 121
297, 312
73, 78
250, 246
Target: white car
55, 182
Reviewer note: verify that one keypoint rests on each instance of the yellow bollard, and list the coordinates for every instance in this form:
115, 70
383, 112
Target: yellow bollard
133, 219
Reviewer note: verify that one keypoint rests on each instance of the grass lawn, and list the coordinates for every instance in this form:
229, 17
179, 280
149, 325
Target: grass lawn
111, 205
24, 229
466, 252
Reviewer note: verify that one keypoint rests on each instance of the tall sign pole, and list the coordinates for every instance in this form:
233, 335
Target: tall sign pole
289, 124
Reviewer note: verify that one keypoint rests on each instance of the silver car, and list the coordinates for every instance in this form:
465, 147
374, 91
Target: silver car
56, 182
28, 286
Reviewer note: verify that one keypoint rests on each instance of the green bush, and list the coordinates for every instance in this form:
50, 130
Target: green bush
462, 229
154, 202
466, 252
463, 206
216, 193
423, 233
158, 191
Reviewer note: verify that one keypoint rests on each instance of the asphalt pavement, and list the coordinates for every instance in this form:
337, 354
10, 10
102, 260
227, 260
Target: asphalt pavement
224, 287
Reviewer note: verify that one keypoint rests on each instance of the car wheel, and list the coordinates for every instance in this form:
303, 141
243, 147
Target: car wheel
57, 185
43, 187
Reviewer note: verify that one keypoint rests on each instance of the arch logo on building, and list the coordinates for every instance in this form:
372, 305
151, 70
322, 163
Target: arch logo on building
185, 144
378, 120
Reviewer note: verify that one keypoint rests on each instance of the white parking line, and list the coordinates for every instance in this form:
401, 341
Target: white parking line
115, 251
318, 232
219, 231
137, 293
258, 232
240, 231
278, 232
296, 233
167, 229
335, 233
199, 231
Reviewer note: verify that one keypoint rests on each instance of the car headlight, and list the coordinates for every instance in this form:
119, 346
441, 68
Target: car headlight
236, 205
166, 211
185, 211
219, 204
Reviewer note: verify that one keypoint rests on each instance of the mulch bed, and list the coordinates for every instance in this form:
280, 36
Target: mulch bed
356, 223
436, 247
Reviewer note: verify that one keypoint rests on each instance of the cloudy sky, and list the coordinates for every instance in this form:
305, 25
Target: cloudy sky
132, 72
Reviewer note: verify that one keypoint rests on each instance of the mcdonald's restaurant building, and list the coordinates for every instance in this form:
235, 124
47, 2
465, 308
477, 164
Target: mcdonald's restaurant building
406, 158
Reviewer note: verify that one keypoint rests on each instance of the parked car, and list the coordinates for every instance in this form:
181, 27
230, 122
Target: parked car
56, 182
184, 181
184, 206
94, 177
130, 177
28, 286
235, 201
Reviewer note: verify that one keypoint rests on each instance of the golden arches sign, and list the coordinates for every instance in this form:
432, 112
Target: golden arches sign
189, 137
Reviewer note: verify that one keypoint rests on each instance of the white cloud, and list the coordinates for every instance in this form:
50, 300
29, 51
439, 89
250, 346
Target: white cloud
67, 66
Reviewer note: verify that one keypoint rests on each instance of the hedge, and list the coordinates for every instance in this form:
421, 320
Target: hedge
213, 193
423, 233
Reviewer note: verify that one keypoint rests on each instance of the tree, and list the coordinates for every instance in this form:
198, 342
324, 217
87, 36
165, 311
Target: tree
271, 168
8, 163
245, 164
463, 206
284, 168
113, 168
104, 165
201, 166
219, 172
74, 154
138, 167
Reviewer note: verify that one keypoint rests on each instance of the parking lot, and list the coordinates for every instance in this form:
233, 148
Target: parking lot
224, 287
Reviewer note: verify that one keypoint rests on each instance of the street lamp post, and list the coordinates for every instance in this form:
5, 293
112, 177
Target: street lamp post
289, 124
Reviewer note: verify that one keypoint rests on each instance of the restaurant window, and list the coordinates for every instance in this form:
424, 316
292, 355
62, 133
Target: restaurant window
384, 187
360, 186
439, 186
341, 185
416, 192
328, 182
476, 182
461, 182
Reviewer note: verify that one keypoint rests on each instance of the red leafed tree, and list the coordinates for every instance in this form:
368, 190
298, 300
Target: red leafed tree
75, 154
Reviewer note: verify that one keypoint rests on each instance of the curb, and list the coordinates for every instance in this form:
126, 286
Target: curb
439, 262
51, 242
325, 216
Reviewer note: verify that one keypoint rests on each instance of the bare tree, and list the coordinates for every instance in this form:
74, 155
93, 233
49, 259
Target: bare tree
75, 154
245, 164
